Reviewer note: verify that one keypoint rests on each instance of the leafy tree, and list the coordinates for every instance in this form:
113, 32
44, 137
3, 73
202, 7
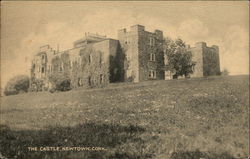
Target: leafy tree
17, 84
178, 57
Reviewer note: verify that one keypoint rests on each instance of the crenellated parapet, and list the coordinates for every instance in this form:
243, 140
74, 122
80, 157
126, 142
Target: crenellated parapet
144, 53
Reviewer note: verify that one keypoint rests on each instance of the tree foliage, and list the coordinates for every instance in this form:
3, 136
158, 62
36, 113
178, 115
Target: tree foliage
61, 82
179, 58
37, 85
17, 84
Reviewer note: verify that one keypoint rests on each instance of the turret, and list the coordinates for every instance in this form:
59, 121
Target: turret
159, 34
200, 45
121, 33
217, 58
216, 48
137, 28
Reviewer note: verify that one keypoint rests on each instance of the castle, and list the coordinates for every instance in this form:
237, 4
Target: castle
207, 60
137, 55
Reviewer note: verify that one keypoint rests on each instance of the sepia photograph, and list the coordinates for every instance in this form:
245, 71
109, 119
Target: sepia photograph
124, 80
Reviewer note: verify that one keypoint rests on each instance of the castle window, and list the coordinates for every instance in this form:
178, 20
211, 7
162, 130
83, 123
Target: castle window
152, 57
166, 60
80, 82
101, 59
126, 41
43, 69
89, 80
43, 58
90, 58
152, 74
151, 41
49, 68
101, 78
61, 68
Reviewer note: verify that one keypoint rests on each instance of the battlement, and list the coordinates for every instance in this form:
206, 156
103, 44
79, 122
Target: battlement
122, 31
159, 34
204, 45
216, 48
207, 59
200, 44
135, 29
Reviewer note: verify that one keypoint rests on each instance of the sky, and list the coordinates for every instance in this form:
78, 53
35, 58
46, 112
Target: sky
27, 25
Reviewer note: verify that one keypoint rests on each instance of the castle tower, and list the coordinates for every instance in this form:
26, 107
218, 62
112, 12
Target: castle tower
217, 59
41, 64
144, 53
207, 60
197, 53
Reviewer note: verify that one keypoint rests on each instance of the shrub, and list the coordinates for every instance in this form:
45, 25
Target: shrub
60, 83
37, 85
16, 85
63, 85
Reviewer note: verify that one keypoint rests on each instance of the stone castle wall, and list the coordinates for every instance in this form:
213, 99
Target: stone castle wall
137, 55
207, 60
139, 46
197, 53
86, 66
129, 46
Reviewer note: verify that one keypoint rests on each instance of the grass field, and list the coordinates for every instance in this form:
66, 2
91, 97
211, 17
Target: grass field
178, 119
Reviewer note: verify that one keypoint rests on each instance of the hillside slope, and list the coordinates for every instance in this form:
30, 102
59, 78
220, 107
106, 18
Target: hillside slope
192, 118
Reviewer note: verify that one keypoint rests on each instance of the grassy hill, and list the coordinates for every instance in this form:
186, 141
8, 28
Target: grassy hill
194, 118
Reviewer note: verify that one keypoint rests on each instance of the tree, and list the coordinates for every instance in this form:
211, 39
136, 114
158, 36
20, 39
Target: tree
17, 84
179, 58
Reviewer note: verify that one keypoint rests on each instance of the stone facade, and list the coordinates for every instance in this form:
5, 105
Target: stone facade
88, 64
42, 62
137, 55
144, 56
207, 60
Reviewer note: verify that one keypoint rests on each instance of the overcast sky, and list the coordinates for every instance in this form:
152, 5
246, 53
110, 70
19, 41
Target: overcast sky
27, 25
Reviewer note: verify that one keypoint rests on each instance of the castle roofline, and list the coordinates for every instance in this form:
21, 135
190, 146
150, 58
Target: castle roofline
204, 44
83, 46
89, 37
138, 25
141, 28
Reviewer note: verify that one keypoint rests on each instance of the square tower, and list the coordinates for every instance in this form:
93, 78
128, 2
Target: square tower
207, 60
144, 57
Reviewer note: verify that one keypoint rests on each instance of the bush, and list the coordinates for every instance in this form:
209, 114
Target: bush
60, 83
17, 84
37, 85
63, 85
